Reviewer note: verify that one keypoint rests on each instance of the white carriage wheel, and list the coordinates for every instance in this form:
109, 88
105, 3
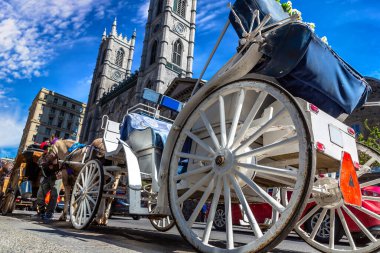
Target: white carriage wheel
228, 162
87, 194
161, 224
342, 218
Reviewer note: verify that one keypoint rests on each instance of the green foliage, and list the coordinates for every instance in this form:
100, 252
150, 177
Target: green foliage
373, 139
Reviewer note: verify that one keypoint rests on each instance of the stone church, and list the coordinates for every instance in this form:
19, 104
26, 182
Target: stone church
167, 60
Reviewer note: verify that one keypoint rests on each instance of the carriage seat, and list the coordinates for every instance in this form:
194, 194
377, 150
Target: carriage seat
146, 136
143, 132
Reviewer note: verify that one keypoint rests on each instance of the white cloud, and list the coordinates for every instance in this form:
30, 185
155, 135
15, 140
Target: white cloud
142, 13
31, 30
11, 130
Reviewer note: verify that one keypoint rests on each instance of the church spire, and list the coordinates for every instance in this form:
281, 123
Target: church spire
104, 34
113, 31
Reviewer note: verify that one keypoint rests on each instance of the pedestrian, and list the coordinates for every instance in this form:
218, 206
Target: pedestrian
47, 183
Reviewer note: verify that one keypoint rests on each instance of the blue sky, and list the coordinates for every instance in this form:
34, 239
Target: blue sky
54, 44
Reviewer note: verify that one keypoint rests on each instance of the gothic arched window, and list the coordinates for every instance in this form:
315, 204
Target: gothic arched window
119, 58
180, 7
177, 53
153, 53
159, 7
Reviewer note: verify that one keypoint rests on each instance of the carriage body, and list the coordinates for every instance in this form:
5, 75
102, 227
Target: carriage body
267, 124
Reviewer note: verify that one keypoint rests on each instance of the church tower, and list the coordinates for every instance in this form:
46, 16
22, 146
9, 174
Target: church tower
168, 50
113, 65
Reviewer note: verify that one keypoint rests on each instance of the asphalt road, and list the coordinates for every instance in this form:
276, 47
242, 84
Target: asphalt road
20, 233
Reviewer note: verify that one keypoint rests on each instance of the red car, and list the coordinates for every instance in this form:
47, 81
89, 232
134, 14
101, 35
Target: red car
263, 214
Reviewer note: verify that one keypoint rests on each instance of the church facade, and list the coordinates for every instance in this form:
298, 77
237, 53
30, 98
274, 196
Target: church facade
168, 53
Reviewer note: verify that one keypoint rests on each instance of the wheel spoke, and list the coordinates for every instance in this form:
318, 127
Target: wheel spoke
90, 175
211, 216
371, 198
247, 209
269, 148
322, 216
194, 157
222, 114
252, 114
95, 176
263, 194
308, 215
261, 130
370, 183
210, 130
200, 204
270, 170
91, 199
193, 172
238, 107
201, 143
77, 184
346, 229
85, 176
228, 213
88, 207
366, 211
370, 161
360, 225
195, 187
332, 229
93, 185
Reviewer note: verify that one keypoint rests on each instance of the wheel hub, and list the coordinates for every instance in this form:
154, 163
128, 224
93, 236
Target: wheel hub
331, 196
223, 162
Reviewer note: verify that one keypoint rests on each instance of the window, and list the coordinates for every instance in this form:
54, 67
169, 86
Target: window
68, 126
159, 7
64, 103
46, 96
62, 113
57, 134
39, 117
47, 131
42, 107
50, 122
73, 106
60, 123
66, 136
34, 137
180, 7
52, 110
119, 58
55, 101
177, 53
71, 116
153, 53
37, 126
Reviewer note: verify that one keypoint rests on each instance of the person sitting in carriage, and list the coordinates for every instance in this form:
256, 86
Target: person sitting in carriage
47, 183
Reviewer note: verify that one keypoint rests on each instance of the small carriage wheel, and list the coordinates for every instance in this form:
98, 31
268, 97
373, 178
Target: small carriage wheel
160, 224
8, 203
355, 223
87, 194
239, 141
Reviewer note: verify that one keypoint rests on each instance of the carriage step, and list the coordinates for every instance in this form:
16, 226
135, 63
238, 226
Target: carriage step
112, 168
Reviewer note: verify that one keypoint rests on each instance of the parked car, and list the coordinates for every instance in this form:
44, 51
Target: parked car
263, 214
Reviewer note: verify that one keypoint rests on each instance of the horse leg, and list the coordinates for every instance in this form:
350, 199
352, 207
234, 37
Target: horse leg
65, 180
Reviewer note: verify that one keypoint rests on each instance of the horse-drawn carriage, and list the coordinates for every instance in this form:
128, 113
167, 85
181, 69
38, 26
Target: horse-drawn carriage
267, 128
23, 180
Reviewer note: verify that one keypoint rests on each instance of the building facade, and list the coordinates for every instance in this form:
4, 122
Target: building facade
369, 112
52, 114
168, 53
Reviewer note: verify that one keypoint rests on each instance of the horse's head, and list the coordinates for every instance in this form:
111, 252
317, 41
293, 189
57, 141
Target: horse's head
48, 160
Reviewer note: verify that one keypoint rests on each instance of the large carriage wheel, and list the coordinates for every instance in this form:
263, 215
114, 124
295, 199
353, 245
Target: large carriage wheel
161, 224
8, 201
343, 227
233, 146
87, 194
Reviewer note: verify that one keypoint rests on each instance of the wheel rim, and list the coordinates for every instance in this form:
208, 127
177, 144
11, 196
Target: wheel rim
353, 220
86, 195
225, 160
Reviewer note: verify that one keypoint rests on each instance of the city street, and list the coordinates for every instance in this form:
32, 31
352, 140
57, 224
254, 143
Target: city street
21, 233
